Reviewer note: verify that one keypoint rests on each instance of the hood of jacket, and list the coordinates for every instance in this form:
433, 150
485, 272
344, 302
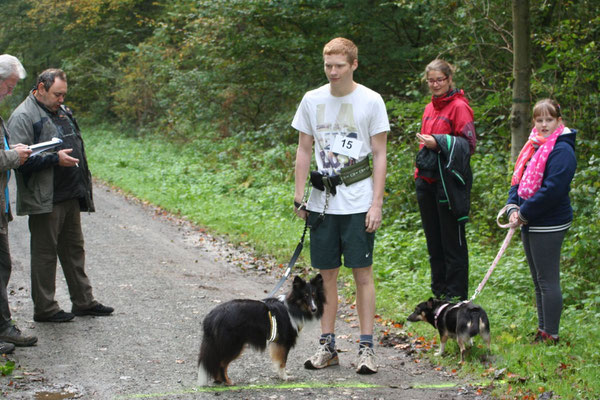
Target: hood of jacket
442, 101
568, 136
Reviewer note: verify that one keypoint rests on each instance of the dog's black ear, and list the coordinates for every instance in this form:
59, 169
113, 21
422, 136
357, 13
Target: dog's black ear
317, 280
430, 302
298, 282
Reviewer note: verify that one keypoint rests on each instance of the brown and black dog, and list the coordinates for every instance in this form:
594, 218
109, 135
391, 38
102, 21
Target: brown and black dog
272, 322
460, 321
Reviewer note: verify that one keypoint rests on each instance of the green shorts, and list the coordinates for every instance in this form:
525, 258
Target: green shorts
339, 235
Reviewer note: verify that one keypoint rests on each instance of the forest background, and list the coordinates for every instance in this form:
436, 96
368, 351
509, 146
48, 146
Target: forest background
187, 105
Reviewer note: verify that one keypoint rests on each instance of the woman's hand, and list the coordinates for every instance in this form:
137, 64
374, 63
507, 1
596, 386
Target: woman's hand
513, 220
428, 141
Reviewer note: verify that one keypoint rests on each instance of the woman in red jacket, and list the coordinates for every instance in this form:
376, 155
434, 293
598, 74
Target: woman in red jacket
448, 113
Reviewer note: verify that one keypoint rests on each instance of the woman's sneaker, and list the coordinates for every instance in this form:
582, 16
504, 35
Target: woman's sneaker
549, 339
324, 357
366, 361
538, 337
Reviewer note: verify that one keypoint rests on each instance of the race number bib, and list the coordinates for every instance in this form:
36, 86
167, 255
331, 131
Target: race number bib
347, 146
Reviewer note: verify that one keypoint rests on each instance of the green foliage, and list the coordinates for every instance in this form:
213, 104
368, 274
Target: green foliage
244, 64
583, 250
568, 64
7, 368
83, 37
229, 191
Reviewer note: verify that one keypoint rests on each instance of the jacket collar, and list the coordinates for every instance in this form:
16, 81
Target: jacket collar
442, 101
41, 105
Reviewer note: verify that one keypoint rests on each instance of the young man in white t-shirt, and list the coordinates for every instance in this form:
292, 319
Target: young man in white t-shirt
347, 123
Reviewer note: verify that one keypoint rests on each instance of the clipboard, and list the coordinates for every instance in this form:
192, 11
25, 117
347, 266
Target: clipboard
43, 146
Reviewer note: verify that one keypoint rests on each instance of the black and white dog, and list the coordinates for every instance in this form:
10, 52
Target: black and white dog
275, 322
460, 321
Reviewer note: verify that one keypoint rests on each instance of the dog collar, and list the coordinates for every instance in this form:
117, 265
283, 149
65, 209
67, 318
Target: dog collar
438, 312
273, 323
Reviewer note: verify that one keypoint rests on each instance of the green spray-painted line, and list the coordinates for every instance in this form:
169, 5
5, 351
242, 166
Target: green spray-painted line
307, 385
299, 385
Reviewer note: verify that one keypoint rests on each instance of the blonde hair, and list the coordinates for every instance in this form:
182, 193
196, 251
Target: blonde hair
442, 66
342, 46
546, 106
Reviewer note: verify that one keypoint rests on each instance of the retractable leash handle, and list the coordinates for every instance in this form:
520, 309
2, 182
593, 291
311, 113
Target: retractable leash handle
511, 231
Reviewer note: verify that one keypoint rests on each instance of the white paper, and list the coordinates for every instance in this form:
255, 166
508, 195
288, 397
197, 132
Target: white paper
43, 146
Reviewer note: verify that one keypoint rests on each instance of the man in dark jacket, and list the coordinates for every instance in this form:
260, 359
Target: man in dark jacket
11, 71
53, 188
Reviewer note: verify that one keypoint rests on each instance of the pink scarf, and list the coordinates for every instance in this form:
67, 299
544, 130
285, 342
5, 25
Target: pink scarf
531, 180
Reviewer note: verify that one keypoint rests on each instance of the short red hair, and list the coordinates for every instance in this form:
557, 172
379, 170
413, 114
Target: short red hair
342, 46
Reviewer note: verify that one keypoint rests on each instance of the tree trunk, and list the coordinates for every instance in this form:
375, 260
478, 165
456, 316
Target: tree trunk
520, 118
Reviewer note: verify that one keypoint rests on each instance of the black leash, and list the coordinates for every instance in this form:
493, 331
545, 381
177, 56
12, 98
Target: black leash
292, 261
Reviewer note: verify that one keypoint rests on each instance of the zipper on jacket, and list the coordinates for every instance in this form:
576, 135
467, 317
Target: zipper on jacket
451, 140
443, 183
460, 178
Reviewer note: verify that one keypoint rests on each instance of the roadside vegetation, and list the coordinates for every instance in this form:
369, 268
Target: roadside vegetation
187, 104
243, 191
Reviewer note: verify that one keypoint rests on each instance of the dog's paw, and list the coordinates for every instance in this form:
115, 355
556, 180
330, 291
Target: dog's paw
438, 353
289, 378
283, 375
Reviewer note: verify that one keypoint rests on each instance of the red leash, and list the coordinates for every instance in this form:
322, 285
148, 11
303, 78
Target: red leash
509, 235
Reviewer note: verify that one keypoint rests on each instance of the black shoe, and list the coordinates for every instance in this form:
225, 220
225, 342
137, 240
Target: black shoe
13, 335
6, 348
98, 310
60, 316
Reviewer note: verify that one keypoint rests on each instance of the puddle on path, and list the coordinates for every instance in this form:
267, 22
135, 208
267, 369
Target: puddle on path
54, 395
58, 392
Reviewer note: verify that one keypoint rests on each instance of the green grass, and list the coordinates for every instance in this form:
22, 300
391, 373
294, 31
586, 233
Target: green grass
234, 188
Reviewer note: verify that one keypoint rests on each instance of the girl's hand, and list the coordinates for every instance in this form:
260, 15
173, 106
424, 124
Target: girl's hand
514, 220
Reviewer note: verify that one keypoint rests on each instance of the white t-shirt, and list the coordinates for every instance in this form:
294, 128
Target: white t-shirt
344, 124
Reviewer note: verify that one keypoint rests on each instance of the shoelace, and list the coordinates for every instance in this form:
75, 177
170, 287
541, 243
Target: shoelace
325, 348
15, 330
365, 352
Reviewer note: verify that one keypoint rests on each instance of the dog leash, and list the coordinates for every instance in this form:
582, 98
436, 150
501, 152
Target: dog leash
509, 235
292, 261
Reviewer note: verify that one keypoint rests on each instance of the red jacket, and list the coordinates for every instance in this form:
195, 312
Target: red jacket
449, 115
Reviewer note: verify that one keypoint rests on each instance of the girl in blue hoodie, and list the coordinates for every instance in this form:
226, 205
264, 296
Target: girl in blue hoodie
539, 202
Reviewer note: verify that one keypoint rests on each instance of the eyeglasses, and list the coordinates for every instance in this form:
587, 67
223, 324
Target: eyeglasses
438, 81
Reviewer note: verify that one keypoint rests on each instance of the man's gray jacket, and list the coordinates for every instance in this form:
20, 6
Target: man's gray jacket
30, 123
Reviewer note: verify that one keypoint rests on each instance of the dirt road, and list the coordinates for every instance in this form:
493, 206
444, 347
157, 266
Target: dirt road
162, 276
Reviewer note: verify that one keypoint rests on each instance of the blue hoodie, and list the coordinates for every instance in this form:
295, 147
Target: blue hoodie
549, 209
